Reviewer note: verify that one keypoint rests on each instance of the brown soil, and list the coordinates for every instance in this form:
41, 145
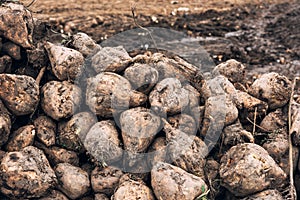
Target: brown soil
262, 34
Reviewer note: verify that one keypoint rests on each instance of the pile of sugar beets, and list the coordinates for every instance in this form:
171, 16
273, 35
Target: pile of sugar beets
79, 121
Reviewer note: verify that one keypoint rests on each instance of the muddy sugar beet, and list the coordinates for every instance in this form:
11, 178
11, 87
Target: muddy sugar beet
19, 93
167, 117
67, 64
109, 93
60, 100
5, 124
248, 168
101, 124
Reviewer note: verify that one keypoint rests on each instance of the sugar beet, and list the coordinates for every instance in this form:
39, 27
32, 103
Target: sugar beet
19, 93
